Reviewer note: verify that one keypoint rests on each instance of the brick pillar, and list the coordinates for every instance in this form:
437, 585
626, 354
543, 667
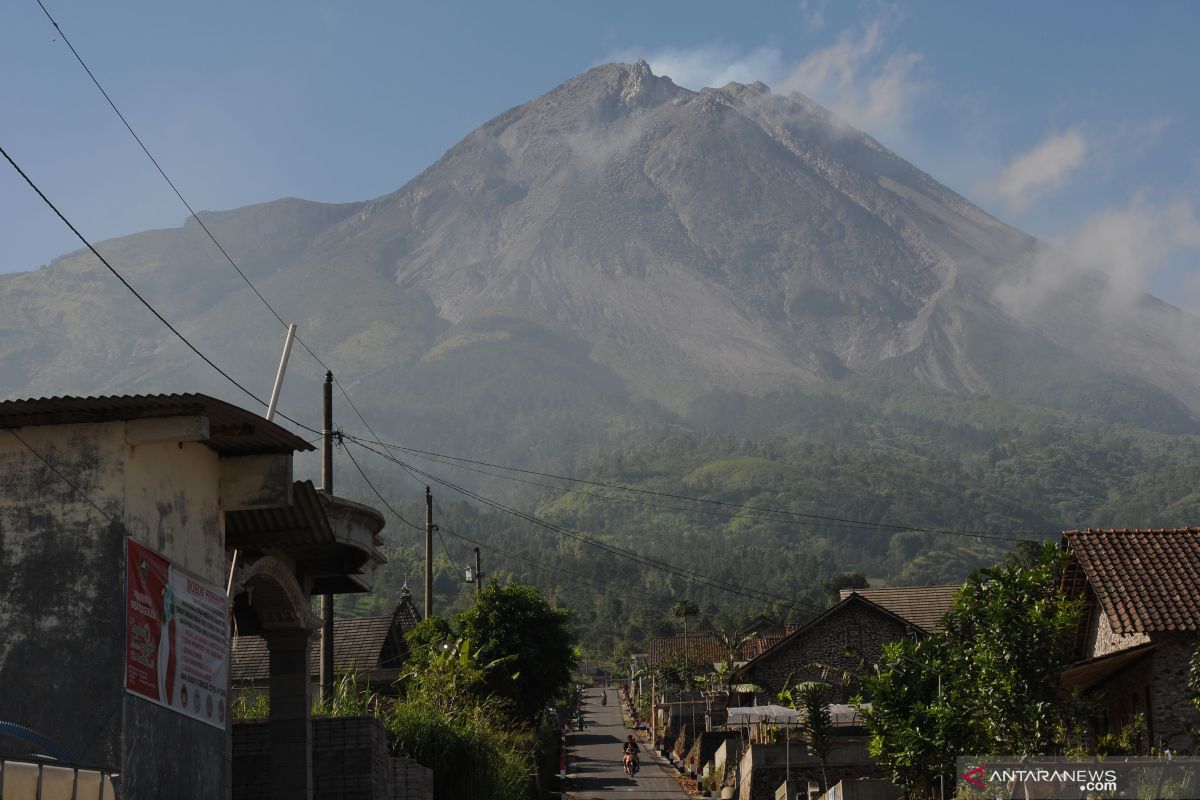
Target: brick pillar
291, 721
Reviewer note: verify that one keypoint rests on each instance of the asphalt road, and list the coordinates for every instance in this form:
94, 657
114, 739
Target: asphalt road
594, 769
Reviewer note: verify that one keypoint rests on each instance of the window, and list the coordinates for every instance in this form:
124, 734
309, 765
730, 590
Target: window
854, 635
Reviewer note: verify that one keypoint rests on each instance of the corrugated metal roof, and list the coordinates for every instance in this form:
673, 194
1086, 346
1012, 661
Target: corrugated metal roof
301, 523
232, 430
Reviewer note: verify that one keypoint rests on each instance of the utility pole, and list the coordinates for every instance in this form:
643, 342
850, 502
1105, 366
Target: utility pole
327, 487
478, 574
428, 553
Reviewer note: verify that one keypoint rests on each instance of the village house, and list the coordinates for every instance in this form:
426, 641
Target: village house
1140, 591
843, 641
131, 528
833, 648
701, 653
372, 649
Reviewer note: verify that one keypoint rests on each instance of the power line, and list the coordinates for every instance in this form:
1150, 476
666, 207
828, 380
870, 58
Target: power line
386, 504
171, 183
195, 216
841, 521
646, 561
448, 459
491, 547
568, 573
741, 512
142, 299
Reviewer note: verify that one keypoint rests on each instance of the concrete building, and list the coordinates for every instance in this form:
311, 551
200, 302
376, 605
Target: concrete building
105, 497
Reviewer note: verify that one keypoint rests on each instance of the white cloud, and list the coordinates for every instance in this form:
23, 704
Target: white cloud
1128, 246
860, 78
1035, 172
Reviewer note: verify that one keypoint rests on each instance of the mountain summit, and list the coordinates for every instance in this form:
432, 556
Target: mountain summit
619, 242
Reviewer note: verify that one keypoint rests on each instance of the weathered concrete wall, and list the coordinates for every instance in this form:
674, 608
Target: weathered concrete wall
172, 504
62, 622
763, 767
62, 587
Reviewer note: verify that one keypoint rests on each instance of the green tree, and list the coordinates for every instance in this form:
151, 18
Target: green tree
516, 622
987, 684
732, 641
816, 725
843, 580
456, 679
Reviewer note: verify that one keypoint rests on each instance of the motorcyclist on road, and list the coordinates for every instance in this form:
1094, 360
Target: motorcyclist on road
632, 763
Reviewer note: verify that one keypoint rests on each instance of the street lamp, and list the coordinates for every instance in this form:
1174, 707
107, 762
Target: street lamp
893, 665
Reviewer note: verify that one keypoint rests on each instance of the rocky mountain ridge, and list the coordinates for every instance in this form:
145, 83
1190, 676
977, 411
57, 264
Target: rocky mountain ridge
622, 247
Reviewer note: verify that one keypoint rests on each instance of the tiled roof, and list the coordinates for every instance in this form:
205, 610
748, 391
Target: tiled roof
360, 644
923, 606
706, 648
1145, 580
779, 646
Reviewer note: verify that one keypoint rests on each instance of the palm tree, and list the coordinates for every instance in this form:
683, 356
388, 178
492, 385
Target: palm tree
683, 609
732, 641
817, 726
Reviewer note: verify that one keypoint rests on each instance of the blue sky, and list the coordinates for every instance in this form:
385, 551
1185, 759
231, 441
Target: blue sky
1073, 121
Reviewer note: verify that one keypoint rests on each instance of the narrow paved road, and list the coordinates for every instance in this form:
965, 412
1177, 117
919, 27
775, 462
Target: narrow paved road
594, 770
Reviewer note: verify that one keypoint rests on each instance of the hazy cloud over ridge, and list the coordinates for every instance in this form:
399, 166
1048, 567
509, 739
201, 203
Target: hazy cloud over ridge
1035, 172
1125, 245
858, 76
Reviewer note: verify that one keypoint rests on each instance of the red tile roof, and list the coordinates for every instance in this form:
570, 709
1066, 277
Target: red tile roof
923, 606
706, 648
1145, 580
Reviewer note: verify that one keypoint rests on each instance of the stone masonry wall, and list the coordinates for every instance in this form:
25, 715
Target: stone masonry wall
848, 639
350, 762
1172, 713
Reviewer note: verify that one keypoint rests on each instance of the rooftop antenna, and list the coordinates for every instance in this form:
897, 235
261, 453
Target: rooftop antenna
271, 407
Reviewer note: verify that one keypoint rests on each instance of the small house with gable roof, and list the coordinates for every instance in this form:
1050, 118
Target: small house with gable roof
371, 648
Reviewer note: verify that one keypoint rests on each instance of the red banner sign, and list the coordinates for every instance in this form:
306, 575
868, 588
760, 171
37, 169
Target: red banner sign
176, 637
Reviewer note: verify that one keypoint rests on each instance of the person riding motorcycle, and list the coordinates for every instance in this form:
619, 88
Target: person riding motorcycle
632, 762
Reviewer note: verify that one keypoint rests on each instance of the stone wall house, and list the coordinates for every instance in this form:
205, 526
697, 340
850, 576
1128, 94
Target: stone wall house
845, 640
1140, 591
923, 606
